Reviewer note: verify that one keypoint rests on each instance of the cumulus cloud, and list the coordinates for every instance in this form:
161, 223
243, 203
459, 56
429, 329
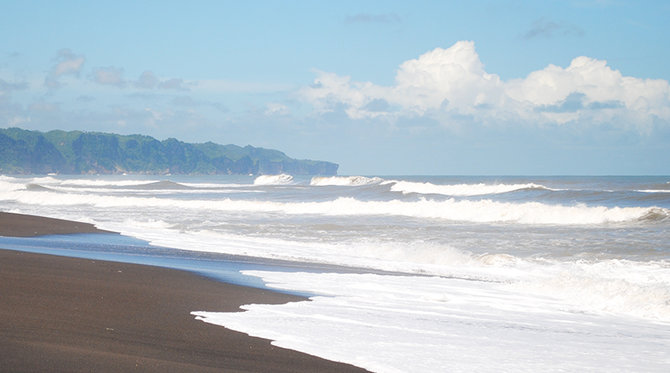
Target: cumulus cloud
446, 84
66, 63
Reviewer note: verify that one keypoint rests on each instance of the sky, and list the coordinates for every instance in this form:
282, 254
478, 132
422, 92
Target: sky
572, 87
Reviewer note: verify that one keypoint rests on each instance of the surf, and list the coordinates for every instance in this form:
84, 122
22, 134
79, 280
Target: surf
281, 179
481, 211
344, 180
407, 187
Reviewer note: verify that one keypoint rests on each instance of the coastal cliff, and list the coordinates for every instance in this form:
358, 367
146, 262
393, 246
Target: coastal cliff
77, 152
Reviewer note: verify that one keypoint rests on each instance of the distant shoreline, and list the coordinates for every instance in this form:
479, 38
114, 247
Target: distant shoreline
25, 152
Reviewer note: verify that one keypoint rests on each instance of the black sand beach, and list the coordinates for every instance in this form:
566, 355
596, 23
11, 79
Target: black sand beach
75, 315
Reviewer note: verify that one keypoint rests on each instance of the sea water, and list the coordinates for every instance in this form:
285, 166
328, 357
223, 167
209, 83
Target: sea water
453, 273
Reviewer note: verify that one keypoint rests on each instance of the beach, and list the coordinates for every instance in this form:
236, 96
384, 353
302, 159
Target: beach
403, 273
69, 314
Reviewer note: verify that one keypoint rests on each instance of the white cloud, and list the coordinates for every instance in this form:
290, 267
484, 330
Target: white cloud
109, 76
453, 78
17, 120
69, 67
274, 108
67, 63
444, 84
147, 80
174, 83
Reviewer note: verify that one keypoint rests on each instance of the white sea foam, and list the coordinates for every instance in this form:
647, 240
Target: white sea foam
214, 185
11, 179
8, 186
344, 180
41, 180
281, 179
623, 287
407, 187
379, 321
399, 257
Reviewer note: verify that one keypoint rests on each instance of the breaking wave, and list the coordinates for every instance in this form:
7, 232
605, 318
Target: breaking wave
160, 185
95, 183
655, 214
407, 187
481, 211
344, 180
281, 179
37, 188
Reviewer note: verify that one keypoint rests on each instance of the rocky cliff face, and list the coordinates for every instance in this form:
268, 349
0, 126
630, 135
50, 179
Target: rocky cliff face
76, 152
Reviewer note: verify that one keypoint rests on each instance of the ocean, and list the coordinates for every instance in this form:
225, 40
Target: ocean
407, 273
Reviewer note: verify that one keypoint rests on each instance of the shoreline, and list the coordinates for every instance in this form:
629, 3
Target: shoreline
21, 225
71, 314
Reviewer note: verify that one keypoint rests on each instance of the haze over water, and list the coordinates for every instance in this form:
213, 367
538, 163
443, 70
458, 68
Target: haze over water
490, 273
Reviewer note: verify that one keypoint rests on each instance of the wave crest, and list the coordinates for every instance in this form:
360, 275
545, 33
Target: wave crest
482, 211
407, 187
656, 215
344, 180
160, 185
99, 182
281, 179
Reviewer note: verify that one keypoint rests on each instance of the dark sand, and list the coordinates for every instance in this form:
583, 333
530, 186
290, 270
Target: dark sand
61, 314
19, 225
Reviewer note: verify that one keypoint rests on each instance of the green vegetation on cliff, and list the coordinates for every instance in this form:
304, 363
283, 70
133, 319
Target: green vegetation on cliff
77, 152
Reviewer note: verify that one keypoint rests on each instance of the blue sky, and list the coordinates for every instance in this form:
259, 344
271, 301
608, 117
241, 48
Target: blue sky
380, 87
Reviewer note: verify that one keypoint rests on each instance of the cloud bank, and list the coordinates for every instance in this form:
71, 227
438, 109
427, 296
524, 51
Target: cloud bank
450, 84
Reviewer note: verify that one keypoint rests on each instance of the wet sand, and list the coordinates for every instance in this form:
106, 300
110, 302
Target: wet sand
75, 315
20, 225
